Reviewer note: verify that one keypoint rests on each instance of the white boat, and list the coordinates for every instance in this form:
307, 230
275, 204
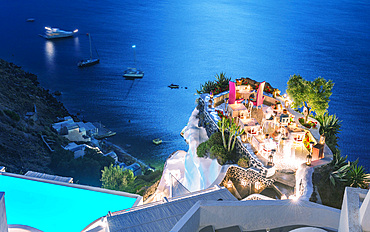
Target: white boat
91, 60
55, 33
133, 72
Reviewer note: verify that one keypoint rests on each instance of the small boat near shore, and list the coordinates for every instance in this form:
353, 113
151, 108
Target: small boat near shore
91, 61
173, 86
106, 135
56, 33
157, 141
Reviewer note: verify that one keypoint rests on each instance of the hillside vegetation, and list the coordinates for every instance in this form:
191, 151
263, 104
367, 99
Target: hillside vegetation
21, 146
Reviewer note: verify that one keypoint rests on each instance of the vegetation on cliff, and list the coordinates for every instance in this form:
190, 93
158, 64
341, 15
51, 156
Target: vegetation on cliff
21, 146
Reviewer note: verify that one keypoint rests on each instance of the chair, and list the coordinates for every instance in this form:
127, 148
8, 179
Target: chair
249, 109
259, 97
239, 100
284, 121
297, 138
265, 152
253, 130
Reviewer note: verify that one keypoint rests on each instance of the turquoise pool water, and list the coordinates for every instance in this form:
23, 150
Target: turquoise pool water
51, 207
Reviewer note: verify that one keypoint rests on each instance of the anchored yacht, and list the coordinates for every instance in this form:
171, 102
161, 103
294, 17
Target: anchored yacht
55, 33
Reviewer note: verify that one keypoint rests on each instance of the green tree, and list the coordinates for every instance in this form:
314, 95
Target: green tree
223, 125
312, 94
234, 131
115, 178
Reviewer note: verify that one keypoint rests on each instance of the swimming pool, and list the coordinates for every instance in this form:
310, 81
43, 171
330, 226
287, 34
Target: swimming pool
56, 207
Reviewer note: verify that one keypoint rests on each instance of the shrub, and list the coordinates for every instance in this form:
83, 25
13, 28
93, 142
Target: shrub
217, 151
13, 115
330, 127
243, 162
202, 149
220, 85
215, 139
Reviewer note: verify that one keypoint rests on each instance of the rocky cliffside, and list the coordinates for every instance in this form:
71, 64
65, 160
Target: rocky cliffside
21, 146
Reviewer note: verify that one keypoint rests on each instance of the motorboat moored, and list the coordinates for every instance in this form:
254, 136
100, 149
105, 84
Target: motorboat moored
55, 33
173, 86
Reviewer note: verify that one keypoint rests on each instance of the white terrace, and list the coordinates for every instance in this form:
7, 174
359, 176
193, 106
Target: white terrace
271, 127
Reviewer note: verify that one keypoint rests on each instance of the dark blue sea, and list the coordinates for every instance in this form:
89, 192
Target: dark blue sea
187, 43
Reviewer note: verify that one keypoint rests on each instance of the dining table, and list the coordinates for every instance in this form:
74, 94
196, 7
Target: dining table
236, 109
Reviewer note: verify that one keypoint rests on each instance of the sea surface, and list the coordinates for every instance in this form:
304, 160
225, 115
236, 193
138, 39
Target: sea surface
187, 43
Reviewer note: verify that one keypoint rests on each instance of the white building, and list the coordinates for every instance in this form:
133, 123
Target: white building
75, 131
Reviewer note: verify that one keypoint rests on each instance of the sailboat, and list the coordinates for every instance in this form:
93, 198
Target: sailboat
133, 72
91, 60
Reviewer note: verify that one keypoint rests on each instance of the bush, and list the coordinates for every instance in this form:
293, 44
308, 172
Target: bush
218, 150
215, 139
84, 170
13, 115
115, 178
202, 149
330, 127
243, 162
221, 84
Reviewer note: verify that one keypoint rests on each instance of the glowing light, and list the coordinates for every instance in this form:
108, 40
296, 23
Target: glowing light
283, 197
308, 160
75, 31
257, 185
229, 184
133, 46
48, 28
293, 198
243, 182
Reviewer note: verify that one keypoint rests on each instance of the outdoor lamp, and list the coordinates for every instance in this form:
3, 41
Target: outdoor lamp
270, 160
210, 103
257, 185
322, 139
308, 159
229, 184
244, 138
243, 182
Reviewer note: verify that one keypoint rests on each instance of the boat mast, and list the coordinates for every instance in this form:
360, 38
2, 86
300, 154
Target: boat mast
90, 47
134, 46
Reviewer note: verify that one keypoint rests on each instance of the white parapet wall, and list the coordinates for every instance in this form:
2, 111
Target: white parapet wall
355, 214
258, 215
